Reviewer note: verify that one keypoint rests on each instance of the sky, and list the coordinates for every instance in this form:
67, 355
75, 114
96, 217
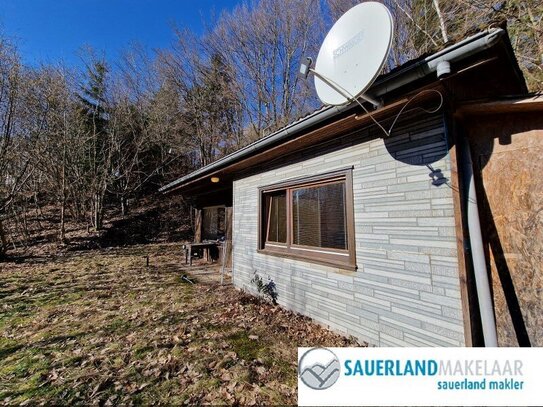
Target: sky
49, 31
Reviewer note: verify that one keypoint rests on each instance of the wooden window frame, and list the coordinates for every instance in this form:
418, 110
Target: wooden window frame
268, 220
340, 258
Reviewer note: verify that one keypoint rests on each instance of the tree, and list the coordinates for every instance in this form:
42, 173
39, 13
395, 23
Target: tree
95, 111
423, 26
13, 162
211, 114
82, 140
263, 44
57, 152
210, 108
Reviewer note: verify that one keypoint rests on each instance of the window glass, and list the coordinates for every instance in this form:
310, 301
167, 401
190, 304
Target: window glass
318, 215
213, 223
277, 217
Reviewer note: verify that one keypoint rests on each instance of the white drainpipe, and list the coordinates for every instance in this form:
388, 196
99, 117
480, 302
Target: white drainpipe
482, 283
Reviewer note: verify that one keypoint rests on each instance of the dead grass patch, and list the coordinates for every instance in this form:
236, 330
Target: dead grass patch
102, 328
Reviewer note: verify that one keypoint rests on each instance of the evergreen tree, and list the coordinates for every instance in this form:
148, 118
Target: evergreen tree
94, 110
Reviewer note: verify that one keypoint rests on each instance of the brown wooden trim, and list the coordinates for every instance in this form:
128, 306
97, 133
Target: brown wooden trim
290, 226
305, 180
341, 258
198, 218
460, 232
268, 208
228, 223
349, 212
314, 259
259, 215
213, 206
522, 104
289, 183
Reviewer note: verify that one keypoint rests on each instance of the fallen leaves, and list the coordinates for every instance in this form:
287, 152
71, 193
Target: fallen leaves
99, 328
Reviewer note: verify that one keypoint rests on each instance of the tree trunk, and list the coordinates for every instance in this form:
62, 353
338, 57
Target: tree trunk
19, 228
124, 206
442, 26
3, 240
62, 232
198, 226
39, 213
97, 209
25, 221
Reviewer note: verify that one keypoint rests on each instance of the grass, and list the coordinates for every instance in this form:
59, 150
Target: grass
102, 328
246, 348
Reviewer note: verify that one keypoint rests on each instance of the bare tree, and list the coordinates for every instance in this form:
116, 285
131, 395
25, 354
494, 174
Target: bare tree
210, 108
525, 25
13, 163
263, 43
57, 151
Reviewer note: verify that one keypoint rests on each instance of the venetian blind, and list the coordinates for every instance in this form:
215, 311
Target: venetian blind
318, 215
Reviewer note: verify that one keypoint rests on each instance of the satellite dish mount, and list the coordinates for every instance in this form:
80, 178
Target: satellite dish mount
306, 69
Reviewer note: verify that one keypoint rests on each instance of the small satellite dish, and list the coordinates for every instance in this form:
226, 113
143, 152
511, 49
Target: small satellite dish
353, 53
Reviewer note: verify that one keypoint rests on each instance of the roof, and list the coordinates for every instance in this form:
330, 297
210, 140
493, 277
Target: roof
385, 85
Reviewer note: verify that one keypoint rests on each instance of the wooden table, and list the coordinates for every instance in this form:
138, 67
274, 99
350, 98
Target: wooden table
205, 246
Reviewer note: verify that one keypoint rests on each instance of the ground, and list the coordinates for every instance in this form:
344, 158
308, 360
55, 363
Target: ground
102, 327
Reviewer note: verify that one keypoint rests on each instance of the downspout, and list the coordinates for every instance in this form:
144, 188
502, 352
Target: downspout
482, 282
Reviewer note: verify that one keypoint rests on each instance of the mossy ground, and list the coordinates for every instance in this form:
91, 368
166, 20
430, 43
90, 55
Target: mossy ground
101, 327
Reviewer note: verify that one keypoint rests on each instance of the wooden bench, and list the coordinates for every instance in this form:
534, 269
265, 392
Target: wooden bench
204, 246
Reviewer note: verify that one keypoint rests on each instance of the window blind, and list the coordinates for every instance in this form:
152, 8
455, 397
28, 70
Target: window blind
318, 216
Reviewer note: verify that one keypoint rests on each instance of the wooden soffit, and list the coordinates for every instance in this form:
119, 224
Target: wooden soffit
532, 103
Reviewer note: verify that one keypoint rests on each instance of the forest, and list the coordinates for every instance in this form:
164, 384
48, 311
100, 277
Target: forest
80, 146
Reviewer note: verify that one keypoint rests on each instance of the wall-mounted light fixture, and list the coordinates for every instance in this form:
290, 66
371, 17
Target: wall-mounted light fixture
215, 179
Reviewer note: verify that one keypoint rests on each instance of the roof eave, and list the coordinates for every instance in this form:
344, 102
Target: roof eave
382, 86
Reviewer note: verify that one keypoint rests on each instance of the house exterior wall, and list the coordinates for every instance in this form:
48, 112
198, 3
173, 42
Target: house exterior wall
406, 290
507, 150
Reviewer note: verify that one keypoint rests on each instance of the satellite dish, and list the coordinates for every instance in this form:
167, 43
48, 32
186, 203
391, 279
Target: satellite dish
353, 53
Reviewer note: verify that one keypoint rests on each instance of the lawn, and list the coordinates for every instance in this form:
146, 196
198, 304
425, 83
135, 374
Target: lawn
102, 327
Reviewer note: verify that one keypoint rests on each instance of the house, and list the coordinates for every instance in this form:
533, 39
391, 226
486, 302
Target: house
399, 240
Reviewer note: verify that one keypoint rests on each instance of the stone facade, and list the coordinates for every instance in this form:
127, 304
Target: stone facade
406, 289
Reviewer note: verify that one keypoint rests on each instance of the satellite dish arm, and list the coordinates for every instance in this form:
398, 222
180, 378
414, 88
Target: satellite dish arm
306, 68
333, 85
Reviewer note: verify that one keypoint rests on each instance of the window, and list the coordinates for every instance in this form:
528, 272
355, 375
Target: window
311, 219
213, 222
277, 217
